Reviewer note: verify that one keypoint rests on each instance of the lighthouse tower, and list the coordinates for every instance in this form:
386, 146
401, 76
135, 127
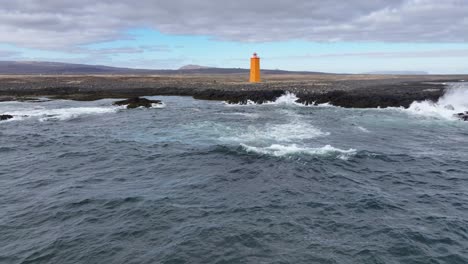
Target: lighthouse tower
255, 69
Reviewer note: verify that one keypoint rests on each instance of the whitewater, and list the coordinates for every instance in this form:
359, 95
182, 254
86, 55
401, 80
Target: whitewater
207, 182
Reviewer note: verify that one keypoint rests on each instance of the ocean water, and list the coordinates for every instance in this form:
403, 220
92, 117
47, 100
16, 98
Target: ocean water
206, 182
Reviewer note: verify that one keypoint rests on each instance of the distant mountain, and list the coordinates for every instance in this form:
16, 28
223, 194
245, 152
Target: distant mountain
398, 73
43, 67
193, 67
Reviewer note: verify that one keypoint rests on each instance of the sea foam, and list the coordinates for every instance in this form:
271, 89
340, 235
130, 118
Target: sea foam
45, 114
293, 131
278, 150
161, 105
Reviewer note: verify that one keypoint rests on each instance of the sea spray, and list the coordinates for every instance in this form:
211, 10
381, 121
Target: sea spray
455, 100
287, 98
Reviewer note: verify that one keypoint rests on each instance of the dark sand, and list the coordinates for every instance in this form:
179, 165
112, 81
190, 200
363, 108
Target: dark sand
341, 90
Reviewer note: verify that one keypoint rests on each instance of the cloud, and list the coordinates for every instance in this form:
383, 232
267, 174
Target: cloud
56, 24
121, 50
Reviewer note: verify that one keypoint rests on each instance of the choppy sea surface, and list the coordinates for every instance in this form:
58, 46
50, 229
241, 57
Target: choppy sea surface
206, 182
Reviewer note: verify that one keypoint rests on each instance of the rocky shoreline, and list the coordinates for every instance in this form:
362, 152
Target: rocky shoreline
356, 91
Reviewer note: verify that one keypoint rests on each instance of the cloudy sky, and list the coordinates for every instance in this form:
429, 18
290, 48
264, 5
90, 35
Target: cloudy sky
334, 35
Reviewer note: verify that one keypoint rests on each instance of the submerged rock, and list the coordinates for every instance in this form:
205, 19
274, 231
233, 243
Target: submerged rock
5, 117
449, 107
138, 102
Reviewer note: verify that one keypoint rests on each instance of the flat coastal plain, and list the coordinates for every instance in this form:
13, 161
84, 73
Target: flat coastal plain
359, 91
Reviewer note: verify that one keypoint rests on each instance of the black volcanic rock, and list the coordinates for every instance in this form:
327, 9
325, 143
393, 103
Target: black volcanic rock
5, 117
137, 102
382, 96
239, 97
462, 116
344, 91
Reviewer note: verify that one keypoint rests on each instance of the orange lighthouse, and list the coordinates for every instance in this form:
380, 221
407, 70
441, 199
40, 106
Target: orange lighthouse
255, 68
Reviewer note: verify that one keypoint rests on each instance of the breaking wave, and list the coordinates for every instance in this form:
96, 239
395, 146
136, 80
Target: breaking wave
454, 101
278, 150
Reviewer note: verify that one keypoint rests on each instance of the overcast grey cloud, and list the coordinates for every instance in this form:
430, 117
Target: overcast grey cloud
53, 24
456, 53
122, 50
